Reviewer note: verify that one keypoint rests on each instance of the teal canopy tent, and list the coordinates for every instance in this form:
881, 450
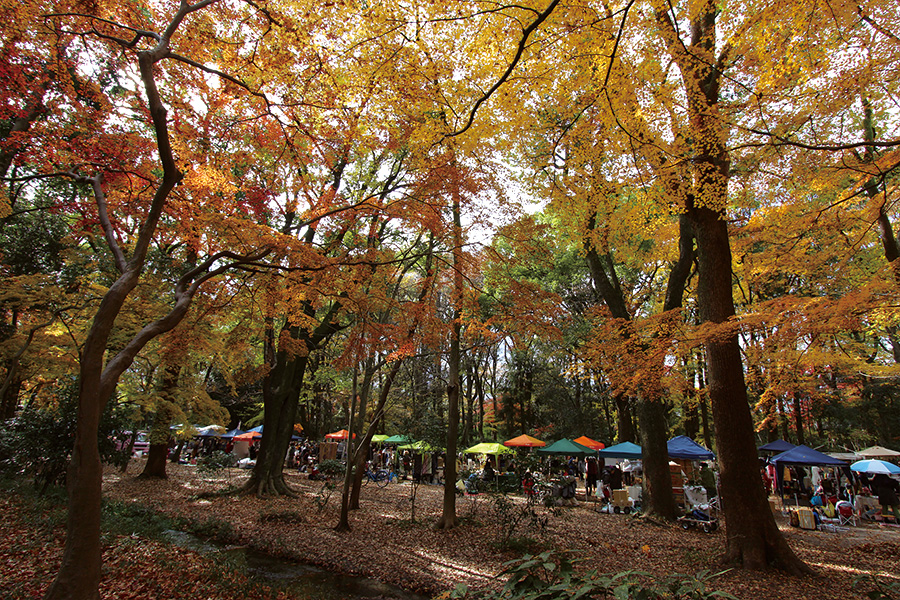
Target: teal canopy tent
398, 439
624, 450
566, 447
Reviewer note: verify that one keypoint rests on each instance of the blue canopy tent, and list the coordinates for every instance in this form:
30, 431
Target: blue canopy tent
802, 456
684, 448
777, 446
232, 433
623, 450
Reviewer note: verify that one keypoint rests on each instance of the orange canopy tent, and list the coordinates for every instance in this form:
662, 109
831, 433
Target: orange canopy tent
339, 435
524, 441
247, 437
586, 441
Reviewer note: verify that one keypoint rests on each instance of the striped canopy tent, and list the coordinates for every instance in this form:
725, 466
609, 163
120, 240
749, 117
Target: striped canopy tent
524, 441
592, 444
873, 466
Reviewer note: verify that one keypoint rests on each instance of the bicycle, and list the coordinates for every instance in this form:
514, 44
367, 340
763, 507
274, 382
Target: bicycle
381, 477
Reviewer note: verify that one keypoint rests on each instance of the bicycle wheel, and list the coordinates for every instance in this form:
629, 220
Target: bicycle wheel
381, 478
366, 478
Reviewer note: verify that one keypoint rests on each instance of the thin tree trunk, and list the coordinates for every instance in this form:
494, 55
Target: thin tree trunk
448, 518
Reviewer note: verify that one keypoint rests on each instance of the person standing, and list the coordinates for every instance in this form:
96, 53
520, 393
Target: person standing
888, 491
592, 469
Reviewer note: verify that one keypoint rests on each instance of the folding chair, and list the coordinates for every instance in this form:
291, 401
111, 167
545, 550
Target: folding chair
844, 512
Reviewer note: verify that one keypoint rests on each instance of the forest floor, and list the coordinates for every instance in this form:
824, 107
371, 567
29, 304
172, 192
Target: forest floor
388, 542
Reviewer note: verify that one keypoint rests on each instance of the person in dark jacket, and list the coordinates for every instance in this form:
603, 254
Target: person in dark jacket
888, 491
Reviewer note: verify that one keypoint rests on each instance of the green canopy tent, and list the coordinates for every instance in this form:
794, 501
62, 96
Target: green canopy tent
398, 439
418, 447
489, 448
566, 447
379, 438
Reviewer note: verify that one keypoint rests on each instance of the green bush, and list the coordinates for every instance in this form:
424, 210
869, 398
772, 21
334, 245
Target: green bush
215, 462
878, 589
513, 518
122, 518
331, 468
553, 576
39, 441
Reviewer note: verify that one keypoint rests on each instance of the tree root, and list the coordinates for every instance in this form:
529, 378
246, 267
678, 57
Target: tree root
445, 524
263, 487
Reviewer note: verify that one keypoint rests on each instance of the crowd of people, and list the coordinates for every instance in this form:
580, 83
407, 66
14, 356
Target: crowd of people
599, 480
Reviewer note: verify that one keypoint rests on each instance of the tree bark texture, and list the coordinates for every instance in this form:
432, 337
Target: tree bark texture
753, 539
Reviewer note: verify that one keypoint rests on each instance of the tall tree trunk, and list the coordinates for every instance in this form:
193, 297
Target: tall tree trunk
160, 433
624, 423
798, 418
660, 501
753, 539
281, 396
448, 518
79, 575
9, 399
783, 420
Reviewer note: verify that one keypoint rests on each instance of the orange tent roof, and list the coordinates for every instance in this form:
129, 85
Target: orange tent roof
338, 435
524, 441
586, 441
246, 437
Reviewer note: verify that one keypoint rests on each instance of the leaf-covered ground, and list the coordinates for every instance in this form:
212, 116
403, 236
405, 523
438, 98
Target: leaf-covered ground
386, 543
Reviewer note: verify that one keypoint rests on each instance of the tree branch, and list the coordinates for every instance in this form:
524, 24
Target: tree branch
523, 42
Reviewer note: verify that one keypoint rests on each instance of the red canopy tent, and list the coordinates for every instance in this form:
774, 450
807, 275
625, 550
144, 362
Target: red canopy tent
524, 441
586, 441
339, 435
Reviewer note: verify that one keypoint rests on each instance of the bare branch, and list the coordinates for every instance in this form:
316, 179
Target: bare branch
523, 43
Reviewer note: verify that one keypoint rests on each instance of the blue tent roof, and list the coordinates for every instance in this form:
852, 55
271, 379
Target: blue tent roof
804, 455
684, 448
232, 433
776, 446
623, 450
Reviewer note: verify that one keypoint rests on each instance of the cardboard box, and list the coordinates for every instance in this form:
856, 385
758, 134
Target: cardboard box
807, 518
620, 498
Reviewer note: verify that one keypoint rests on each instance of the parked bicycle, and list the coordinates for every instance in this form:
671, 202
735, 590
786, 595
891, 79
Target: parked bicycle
381, 477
